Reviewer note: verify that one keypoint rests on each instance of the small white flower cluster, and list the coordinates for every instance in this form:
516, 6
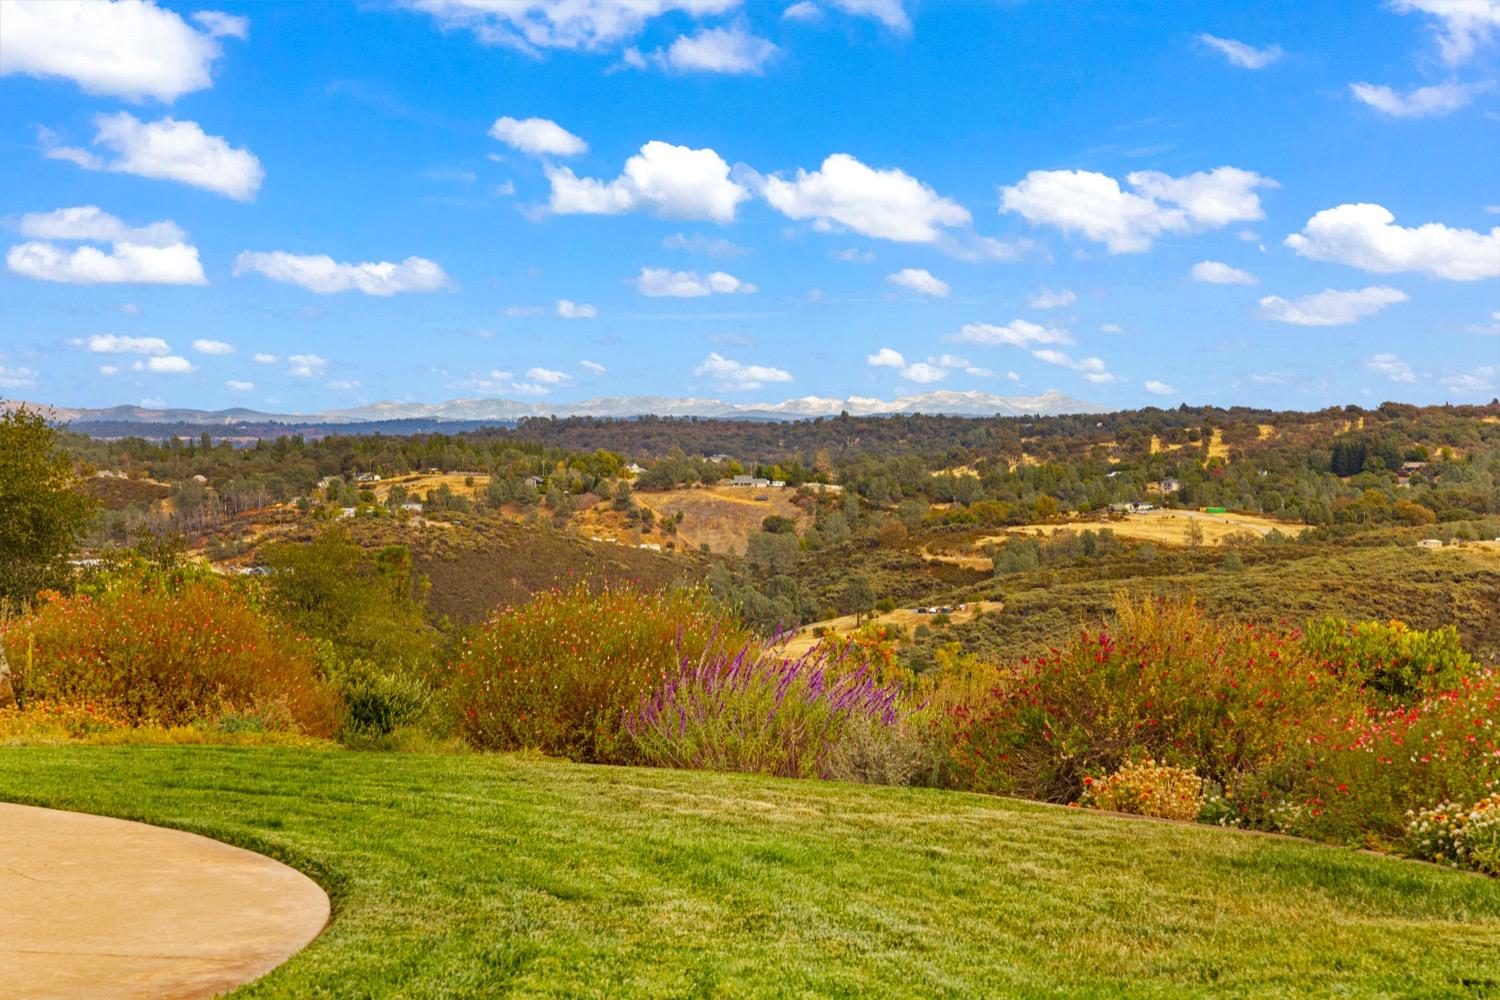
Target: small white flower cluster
1457, 835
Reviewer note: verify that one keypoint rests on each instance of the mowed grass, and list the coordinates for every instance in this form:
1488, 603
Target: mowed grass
489, 876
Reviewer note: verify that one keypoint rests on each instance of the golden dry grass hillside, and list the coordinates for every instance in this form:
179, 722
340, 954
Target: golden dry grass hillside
722, 517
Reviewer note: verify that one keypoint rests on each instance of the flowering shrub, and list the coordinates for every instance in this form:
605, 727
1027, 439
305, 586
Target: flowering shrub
167, 656
1388, 657
1146, 788
1356, 782
558, 673
1451, 834
62, 719
766, 714
1221, 699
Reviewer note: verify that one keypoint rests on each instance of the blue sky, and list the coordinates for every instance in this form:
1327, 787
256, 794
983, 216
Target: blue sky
305, 206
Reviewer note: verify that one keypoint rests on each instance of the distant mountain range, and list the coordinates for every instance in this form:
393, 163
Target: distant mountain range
971, 403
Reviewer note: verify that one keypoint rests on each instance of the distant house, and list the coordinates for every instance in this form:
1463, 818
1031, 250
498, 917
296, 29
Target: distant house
779, 484
634, 470
1170, 485
1410, 467
346, 512
650, 545
535, 481
367, 477
1430, 543
412, 507
742, 481
718, 459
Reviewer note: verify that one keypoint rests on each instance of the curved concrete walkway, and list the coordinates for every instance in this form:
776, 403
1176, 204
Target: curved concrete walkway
92, 907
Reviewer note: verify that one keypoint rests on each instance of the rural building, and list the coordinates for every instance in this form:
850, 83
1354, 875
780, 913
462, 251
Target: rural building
634, 470
751, 481
367, 477
412, 507
346, 512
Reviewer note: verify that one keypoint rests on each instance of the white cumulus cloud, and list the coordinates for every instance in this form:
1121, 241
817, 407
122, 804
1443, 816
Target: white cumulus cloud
1242, 55
1461, 26
537, 136
1366, 236
592, 367
735, 375
891, 13
921, 281
222, 25
1392, 367
886, 357
1330, 307
168, 150
532, 26
129, 48
326, 276
305, 365
718, 50
153, 254
124, 263
886, 204
923, 373
568, 309
212, 347
1095, 206
664, 282
1216, 272
1421, 102
109, 343
1159, 388
548, 376
672, 182
17, 377
1046, 298
169, 364
1016, 333
238, 385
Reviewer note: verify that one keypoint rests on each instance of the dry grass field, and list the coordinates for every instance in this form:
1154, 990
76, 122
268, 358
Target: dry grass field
418, 483
1166, 527
722, 517
905, 619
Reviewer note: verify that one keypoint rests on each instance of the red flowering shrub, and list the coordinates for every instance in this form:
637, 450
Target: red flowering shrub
167, 656
1357, 781
1221, 699
559, 673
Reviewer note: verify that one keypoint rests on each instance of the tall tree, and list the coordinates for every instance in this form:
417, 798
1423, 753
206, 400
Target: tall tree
41, 516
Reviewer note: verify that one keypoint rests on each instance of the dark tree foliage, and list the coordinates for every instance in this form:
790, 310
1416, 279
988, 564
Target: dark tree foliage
41, 516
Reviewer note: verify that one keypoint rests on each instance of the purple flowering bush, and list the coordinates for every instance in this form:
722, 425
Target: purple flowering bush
821, 714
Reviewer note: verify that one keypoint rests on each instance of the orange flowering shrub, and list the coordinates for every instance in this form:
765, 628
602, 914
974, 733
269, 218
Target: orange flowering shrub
167, 656
1146, 788
73, 720
1222, 699
559, 673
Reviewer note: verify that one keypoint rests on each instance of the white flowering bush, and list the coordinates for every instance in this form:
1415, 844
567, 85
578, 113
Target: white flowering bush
1461, 836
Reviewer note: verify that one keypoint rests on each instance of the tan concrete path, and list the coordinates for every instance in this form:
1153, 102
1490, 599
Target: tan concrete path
100, 908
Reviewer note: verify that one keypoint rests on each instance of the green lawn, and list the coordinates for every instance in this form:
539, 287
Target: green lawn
487, 876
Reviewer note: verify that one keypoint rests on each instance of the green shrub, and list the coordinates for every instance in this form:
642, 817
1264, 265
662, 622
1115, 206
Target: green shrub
1390, 658
557, 674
